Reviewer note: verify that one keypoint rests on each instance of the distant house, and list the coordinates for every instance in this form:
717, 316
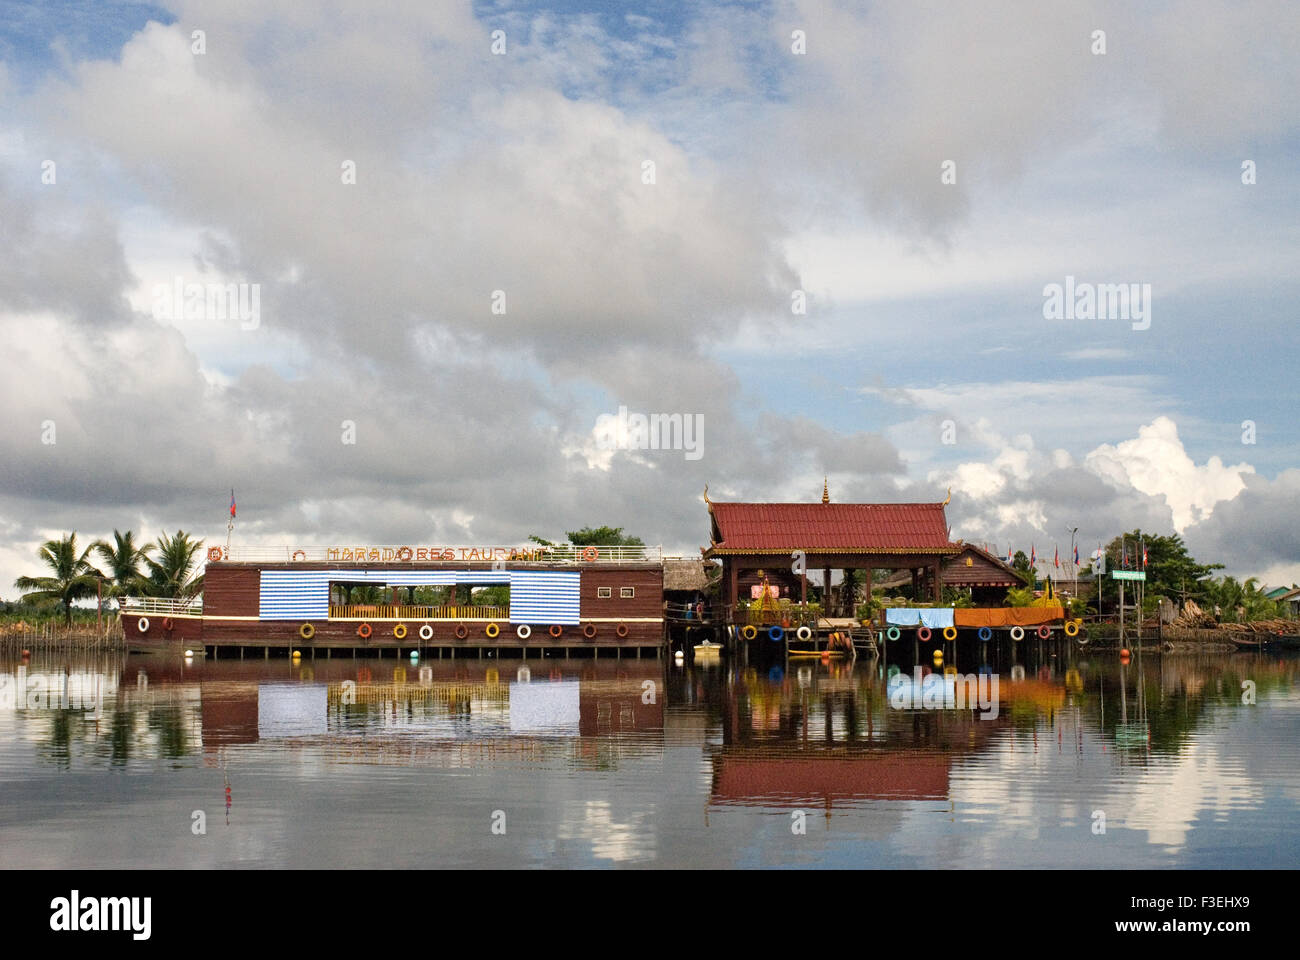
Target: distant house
1278, 592
1291, 599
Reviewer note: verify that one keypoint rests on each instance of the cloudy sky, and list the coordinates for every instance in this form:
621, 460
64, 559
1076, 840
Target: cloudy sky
474, 229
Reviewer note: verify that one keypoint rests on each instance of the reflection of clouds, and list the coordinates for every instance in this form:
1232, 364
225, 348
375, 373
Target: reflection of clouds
1167, 799
610, 839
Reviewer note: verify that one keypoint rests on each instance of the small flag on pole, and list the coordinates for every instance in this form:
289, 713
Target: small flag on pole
232, 502
1076, 554
1009, 555
1056, 558
1033, 555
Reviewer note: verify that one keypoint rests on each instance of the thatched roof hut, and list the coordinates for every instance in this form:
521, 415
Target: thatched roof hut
688, 576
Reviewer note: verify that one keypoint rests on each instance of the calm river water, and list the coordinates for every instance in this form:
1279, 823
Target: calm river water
147, 761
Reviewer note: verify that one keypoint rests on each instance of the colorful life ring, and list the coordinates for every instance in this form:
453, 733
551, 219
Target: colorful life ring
299, 553
1071, 628
621, 630
142, 625
461, 631
950, 633
1044, 632
749, 631
923, 634
1017, 632
986, 633
167, 623
804, 633
523, 631
426, 632
214, 554
776, 633
893, 633
590, 553
589, 631
492, 630
555, 630
307, 631
364, 631
399, 631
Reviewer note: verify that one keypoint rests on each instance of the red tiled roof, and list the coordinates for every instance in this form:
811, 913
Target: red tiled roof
830, 528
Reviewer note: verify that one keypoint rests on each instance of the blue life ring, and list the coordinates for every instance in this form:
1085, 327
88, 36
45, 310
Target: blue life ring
986, 633
775, 633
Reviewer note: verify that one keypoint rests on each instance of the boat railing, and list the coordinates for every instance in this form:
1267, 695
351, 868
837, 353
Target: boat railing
391, 611
526, 553
162, 606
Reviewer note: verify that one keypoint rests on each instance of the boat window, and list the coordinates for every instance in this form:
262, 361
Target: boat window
604, 593
626, 592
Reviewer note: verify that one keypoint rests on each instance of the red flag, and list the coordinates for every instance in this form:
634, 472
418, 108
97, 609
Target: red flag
1076, 554
1056, 559
1033, 555
232, 502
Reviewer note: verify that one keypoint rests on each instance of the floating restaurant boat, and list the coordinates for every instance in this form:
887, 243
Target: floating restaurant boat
560, 596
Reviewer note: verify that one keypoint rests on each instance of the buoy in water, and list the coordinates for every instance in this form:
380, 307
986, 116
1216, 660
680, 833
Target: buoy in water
1124, 653
415, 654
679, 655
189, 653
938, 656
297, 654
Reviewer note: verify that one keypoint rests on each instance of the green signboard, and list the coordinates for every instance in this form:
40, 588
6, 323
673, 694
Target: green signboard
1128, 574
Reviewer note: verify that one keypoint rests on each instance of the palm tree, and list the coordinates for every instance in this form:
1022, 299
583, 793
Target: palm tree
171, 573
74, 576
122, 558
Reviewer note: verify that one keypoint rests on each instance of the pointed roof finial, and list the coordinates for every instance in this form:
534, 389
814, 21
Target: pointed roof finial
706, 494
947, 498
826, 490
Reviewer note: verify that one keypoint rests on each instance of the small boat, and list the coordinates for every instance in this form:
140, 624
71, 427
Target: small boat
708, 648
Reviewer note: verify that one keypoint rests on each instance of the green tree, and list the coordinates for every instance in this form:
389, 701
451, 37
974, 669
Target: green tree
1171, 571
171, 572
73, 576
1020, 564
122, 559
602, 537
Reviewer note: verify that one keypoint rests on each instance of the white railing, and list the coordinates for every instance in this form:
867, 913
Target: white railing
161, 606
411, 553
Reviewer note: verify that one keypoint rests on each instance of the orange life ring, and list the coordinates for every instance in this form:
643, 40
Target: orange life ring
621, 630
461, 631
214, 554
167, 623
589, 631
297, 553
555, 630
590, 553
364, 631
923, 634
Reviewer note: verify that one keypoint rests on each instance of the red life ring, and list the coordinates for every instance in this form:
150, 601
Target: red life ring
214, 554
1044, 632
621, 630
461, 631
589, 631
555, 630
590, 553
923, 634
364, 631
299, 553
167, 623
